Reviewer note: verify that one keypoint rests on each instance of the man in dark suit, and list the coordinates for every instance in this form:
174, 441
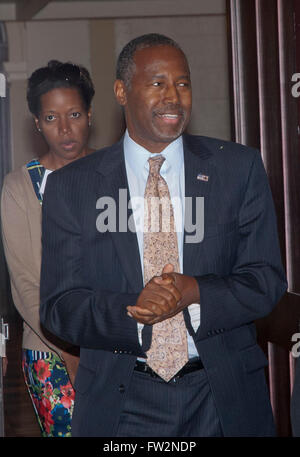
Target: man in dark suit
92, 291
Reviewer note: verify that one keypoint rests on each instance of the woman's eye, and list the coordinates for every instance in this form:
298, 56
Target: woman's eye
50, 118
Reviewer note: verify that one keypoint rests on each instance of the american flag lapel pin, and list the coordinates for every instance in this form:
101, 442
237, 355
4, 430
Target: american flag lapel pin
202, 177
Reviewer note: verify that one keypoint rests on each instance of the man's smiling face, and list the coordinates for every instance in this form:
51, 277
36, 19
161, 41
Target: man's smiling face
159, 100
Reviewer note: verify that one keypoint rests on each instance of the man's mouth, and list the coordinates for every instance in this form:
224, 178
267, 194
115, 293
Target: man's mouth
170, 118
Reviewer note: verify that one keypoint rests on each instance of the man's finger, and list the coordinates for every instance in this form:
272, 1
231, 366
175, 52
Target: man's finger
168, 268
138, 310
163, 279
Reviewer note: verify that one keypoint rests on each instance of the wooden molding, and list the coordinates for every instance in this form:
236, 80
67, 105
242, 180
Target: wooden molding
27, 10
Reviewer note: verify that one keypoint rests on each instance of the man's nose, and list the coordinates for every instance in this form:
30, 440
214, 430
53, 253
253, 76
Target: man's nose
171, 94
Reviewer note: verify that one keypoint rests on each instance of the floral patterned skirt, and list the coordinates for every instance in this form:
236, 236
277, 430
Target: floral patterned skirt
50, 390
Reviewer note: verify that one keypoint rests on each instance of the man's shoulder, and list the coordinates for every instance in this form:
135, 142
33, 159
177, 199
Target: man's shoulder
219, 149
94, 161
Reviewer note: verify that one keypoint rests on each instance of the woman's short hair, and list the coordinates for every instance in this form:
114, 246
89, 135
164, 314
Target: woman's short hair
58, 75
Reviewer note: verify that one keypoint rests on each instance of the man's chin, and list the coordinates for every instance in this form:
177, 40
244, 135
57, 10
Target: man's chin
168, 137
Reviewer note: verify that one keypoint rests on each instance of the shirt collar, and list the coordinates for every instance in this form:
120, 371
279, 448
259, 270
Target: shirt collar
137, 156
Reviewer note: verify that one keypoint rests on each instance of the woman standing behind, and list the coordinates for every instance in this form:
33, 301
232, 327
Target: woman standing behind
59, 97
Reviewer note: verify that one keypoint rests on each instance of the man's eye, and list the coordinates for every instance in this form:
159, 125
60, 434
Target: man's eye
75, 115
157, 84
184, 84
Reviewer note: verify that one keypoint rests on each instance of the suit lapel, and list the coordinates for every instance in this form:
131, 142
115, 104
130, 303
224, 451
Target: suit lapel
199, 176
113, 183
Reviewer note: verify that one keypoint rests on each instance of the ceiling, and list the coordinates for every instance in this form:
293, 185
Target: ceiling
53, 1
26, 2
26, 10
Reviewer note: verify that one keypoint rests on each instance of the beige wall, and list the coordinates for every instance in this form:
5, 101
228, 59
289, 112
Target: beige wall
107, 119
96, 44
32, 45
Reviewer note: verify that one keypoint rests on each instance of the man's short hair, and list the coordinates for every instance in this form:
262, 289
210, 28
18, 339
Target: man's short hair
125, 63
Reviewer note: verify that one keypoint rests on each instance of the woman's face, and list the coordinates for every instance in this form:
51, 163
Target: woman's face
64, 123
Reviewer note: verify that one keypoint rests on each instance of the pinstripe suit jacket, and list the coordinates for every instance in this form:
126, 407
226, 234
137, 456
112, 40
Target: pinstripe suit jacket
88, 278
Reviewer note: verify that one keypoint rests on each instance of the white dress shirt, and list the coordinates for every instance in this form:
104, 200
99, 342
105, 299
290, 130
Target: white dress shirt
172, 170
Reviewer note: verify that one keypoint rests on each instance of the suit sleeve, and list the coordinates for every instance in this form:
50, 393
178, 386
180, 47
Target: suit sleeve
95, 319
257, 280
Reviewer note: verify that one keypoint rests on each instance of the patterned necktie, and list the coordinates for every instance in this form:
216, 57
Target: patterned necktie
168, 351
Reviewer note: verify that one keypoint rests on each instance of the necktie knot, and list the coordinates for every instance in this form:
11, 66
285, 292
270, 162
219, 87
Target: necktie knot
155, 164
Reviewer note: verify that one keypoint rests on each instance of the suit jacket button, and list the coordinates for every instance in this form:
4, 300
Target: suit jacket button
121, 389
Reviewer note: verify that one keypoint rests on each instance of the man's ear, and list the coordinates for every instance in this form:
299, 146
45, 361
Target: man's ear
120, 92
